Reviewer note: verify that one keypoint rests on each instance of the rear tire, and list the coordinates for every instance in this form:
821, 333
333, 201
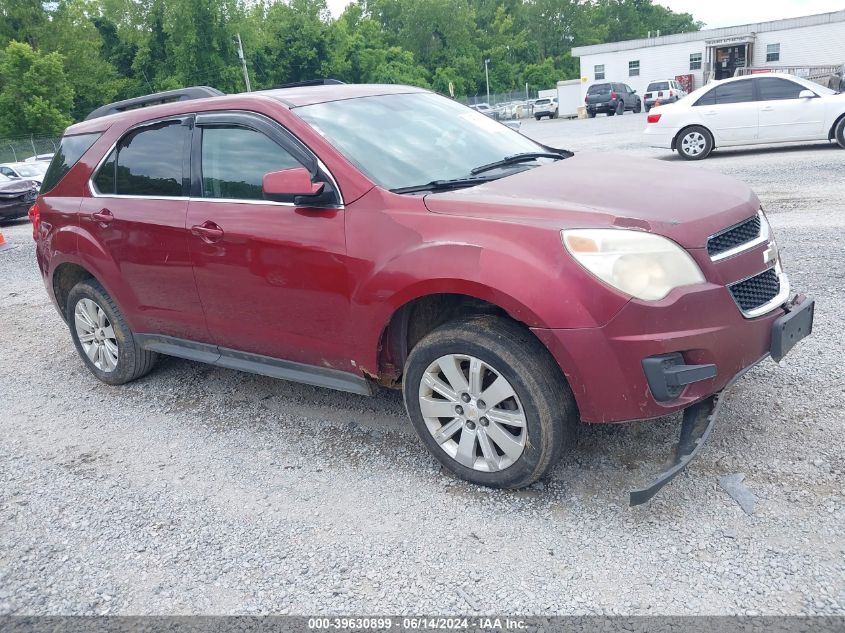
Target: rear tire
532, 413
103, 338
639, 107
620, 108
611, 112
839, 132
591, 115
694, 143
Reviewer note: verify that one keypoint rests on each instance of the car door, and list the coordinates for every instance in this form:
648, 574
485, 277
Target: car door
730, 111
136, 216
786, 117
272, 275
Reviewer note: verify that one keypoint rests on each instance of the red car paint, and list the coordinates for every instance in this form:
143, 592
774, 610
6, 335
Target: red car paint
319, 287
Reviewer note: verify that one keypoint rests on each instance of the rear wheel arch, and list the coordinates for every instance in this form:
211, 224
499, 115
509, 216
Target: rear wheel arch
687, 127
65, 277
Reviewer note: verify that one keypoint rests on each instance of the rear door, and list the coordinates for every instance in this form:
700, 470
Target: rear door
786, 117
730, 111
137, 216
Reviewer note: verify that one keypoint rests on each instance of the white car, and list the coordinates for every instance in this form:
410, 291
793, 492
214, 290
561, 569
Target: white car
663, 91
751, 110
29, 171
545, 107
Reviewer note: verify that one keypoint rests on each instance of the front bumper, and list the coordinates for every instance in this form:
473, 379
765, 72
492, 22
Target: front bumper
604, 366
16, 208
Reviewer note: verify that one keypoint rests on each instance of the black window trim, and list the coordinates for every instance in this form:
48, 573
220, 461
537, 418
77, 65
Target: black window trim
184, 119
276, 133
191, 176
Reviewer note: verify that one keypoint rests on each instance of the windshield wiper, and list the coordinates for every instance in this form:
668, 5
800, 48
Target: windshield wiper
521, 158
444, 185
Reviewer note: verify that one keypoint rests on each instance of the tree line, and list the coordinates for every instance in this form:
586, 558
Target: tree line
59, 60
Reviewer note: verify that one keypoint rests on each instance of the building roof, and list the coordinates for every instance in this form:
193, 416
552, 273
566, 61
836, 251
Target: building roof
728, 31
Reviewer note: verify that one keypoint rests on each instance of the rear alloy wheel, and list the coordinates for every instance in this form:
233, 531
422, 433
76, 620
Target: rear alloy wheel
102, 337
695, 143
489, 402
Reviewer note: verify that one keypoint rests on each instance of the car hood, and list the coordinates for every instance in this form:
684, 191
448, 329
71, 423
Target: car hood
15, 187
685, 203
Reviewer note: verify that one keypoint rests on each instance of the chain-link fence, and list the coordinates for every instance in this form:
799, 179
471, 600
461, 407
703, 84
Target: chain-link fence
506, 105
17, 149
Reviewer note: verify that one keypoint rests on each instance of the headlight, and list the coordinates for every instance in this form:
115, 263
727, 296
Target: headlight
643, 265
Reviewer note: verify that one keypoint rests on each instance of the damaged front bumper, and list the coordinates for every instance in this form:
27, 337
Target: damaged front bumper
793, 326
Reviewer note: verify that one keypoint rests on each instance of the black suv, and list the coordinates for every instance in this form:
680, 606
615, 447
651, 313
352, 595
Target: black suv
612, 98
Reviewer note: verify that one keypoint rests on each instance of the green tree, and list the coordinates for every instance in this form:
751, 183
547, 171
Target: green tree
35, 94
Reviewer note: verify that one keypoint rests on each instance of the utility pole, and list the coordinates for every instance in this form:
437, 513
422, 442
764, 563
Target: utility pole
487, 77
243, 63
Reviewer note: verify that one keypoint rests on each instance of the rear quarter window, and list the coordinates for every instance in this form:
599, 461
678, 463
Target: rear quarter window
70, 151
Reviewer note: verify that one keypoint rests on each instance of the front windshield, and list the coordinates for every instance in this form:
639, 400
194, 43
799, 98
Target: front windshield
405, 140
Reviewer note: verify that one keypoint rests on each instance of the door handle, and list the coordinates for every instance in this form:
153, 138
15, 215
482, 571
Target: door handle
710, 113
103, 217
208, 231
767, 109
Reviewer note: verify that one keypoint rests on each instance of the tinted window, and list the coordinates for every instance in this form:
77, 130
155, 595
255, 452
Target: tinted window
235, 159
658, 85
734, 92
104, 180
597, 88
70, 151
543, 101
149, 161
773, 89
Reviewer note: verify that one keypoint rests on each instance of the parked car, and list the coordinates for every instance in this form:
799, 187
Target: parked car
16, 196
748, 111
485, 109
545, 107
39, 157
664, 92
31, 171
348, 236
611, 98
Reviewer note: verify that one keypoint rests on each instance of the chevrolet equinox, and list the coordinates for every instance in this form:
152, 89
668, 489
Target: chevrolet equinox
350, 236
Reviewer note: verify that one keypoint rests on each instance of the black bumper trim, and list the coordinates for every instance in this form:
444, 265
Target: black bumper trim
667, 375
695, 429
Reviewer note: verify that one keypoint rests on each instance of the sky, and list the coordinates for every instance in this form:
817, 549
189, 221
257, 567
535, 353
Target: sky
716, 13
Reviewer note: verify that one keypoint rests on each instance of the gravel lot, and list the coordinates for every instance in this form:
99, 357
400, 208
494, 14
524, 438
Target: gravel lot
203, 490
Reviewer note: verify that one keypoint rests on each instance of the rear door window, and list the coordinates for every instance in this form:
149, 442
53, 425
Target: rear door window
733, 92
70, 151
150, 161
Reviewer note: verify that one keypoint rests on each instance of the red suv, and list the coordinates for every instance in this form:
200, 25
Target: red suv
349, 236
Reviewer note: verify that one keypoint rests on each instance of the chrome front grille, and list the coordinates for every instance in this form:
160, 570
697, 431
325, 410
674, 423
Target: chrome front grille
737, 238
761, 293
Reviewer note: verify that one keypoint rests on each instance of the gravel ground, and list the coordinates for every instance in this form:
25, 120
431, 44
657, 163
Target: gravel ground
203, 490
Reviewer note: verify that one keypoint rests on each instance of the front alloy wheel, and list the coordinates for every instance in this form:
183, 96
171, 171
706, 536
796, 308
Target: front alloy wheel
472, 412
489, 402
96, 335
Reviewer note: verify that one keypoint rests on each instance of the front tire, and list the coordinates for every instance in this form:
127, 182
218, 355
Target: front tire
489, 402
102, 337
639, 107
694, 143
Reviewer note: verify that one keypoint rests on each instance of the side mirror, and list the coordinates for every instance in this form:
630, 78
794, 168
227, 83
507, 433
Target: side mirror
806, 94
287, 185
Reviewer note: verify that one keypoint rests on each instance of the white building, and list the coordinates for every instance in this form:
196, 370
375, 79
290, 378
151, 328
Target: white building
814, 40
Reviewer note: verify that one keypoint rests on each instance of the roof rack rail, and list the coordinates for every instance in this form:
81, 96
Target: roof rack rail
168, 96
309, 82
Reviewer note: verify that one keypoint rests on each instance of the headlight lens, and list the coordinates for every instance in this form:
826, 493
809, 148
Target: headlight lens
643, 265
